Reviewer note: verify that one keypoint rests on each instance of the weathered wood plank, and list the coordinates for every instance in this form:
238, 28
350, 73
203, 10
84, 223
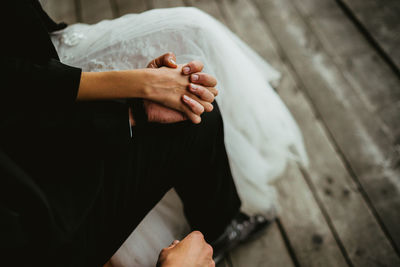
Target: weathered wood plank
327, 251
267, 250
336, 192
131, 6
166, 3
381, 19
61, 10
324, 85
306, 228
376, 88
208, 6
243, 19
361, 65
95, 10
350, 225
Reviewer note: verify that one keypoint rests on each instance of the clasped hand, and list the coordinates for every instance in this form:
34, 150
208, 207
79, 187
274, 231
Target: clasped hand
178, 92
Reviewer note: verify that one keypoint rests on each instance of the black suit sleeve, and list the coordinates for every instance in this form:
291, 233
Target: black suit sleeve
41, 83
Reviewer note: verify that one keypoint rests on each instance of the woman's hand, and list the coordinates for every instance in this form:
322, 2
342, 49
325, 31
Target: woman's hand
206, 91
170, 87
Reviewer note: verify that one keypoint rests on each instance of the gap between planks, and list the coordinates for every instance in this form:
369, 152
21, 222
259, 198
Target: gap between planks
351, 160
354, 175
395, 66
246, 30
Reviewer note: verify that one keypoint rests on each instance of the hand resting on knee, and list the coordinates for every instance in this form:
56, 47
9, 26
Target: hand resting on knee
205, 89
169, 86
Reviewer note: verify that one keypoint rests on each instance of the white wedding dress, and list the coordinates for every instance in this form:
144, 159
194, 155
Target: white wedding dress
260, 134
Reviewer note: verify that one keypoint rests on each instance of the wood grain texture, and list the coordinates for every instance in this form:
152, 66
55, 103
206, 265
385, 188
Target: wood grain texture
305, 225
94, 11
208, 6
375, 88
381, 20
322, 79
244, 20
267, 250
166, 3
337, 194
131, 6
61, 10
325, 162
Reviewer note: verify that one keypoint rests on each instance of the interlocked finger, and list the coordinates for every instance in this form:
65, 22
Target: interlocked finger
202, 92
204, 79
207, 105
167, 60
195, 106
187, 109
213, 90
192, 67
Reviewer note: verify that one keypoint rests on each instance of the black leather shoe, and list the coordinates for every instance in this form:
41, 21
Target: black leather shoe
241, 229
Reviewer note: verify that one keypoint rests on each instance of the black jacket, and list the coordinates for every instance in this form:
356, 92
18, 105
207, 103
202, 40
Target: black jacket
52, 148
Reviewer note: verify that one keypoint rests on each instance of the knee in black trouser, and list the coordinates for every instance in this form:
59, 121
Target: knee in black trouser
214, 117
189, 146
209, 133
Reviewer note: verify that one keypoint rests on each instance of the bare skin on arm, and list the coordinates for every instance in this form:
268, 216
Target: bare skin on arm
168, 87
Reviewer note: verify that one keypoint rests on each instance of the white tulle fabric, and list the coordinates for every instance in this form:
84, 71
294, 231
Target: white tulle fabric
260, 134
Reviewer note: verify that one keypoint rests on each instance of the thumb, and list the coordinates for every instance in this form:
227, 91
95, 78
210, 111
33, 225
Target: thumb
168, 60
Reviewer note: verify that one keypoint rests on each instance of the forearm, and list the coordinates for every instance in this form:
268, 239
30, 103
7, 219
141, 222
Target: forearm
112, 85
165, 86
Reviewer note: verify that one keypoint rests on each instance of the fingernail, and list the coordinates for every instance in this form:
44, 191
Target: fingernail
193, 87
186, 70
189, 100
171, 60
186, 98
195, 77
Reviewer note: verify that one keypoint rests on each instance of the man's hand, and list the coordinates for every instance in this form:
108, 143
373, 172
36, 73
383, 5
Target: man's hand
192, 251
202, 85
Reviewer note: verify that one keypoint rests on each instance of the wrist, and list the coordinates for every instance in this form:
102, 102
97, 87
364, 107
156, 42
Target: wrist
126, 83
144, 78
115, 85
136, 82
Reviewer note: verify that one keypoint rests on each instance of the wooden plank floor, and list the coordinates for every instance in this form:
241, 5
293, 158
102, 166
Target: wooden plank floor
341, 81
380, 22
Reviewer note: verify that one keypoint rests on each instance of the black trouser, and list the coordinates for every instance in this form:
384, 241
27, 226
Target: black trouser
191, 158
91, 185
